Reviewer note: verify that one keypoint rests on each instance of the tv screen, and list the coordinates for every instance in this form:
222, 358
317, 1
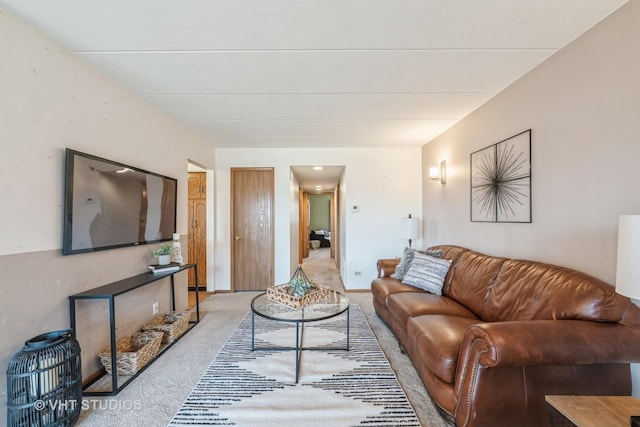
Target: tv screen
109, 205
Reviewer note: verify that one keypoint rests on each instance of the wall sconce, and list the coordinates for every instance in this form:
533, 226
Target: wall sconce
410, 228
439, 173
628, 269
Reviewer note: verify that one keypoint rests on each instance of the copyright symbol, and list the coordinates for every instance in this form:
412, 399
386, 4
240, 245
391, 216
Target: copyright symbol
39, 405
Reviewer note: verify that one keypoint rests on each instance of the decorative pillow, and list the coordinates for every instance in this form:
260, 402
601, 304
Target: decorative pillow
436, 253
427, 272
405, 263
407, 257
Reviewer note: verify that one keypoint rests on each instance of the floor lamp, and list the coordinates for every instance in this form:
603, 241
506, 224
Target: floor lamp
410, 228
628, 268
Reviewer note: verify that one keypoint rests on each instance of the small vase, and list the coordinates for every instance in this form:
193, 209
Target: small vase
164, 259
177, 249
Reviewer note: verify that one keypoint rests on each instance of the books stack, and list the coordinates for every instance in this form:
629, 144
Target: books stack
165, 268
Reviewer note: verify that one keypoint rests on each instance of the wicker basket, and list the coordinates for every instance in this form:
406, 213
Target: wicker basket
132, 352
171, 324
280, 294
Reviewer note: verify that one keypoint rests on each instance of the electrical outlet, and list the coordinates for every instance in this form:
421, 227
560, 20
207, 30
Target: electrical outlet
155, 307
358, 273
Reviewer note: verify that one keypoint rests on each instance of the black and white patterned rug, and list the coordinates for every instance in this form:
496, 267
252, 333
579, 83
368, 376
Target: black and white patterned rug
336, 387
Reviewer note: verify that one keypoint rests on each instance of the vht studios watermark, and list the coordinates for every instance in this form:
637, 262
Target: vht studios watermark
87, 404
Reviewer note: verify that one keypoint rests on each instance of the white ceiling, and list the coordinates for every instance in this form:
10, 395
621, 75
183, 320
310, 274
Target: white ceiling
314, 73
310, 178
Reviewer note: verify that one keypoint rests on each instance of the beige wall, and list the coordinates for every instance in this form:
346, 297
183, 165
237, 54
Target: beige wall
583, 106
51, 100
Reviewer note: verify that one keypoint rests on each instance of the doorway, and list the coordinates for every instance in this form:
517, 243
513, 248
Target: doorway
252, 239
199, 195
320, 262
318, 219
197, 223
319, 194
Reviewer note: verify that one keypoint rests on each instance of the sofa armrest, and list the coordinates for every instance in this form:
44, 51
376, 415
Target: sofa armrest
494, 352
386, 267
551, 342
542, 342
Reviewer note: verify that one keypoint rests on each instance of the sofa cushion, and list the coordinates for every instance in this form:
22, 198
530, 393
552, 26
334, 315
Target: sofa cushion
405, 305
472, 279
382, 287
427, 273
528, 290
437, 339
452, 253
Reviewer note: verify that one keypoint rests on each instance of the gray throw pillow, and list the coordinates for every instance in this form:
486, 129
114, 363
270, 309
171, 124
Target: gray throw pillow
427, 273
405, 263
407, 257
436, 253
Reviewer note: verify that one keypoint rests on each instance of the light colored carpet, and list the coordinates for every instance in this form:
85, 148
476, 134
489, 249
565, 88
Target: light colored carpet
336, 387
155, 396
322, 270
202, 295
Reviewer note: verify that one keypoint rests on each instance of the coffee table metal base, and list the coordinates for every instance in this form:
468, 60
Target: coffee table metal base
298, 348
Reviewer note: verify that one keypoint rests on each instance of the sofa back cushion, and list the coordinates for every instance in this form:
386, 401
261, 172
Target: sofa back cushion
527, 290
472, 277
450, 252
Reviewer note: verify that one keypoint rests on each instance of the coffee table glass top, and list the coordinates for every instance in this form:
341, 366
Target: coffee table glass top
334, 305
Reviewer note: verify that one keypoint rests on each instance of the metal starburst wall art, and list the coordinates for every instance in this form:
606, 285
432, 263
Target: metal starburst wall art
501, 181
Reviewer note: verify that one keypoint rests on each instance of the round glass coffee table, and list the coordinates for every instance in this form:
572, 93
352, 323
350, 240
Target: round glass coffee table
335, 305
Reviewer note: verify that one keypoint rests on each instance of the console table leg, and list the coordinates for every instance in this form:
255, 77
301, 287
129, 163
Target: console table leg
72, 316
195, 276
173, 294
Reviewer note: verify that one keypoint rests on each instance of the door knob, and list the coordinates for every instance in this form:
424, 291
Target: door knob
237, 237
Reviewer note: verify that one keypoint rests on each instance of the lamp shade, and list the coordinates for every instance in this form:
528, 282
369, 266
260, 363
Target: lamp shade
410, 227
434, 173
628, 270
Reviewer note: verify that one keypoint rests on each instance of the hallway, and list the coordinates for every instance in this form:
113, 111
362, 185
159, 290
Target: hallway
321, 269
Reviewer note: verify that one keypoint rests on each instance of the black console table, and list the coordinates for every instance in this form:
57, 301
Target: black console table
109, 292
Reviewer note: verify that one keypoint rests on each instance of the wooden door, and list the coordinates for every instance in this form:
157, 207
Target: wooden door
197, 208
332, 224
303, 229
252, 239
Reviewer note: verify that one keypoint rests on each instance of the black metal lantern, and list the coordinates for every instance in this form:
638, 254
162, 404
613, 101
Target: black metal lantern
44, 382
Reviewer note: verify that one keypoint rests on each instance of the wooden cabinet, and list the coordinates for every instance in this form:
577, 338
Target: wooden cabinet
197, 209
197, 185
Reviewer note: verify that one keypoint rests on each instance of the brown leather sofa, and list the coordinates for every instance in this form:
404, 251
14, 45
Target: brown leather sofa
506, 332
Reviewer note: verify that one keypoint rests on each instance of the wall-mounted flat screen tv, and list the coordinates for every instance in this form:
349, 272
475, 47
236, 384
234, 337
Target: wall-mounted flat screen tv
110, 205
